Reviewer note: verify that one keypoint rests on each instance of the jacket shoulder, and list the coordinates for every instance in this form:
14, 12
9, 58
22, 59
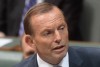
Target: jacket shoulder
89, 53
27, 62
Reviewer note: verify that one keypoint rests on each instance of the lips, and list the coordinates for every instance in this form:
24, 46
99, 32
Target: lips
59, 49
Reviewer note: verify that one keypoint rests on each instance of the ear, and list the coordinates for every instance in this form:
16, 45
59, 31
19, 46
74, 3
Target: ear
29, 41
28, 47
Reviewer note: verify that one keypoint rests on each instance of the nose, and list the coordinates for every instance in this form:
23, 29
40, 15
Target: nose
57, 37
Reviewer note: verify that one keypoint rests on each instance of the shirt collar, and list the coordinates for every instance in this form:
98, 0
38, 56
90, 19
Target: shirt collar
63, 63
42, 63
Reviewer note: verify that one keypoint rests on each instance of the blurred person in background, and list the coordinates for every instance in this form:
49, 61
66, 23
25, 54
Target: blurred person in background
10, 16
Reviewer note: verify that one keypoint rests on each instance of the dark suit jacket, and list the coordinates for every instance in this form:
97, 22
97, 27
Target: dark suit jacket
78, 57
11, 13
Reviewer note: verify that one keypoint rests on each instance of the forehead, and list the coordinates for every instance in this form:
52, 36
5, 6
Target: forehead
51, 18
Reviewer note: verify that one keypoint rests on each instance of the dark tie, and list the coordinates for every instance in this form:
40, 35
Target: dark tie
28, 4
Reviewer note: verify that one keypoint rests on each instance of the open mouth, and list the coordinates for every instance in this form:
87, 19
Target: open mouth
59, 49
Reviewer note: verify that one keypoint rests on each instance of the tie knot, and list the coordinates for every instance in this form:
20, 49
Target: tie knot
56, 66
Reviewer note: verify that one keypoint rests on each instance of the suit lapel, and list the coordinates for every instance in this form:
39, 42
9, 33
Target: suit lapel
33, 62
74, 58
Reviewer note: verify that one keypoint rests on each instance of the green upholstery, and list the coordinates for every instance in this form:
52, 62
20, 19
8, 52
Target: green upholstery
9, 58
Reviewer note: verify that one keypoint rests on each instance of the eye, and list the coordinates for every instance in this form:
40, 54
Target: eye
46, 33
62, 27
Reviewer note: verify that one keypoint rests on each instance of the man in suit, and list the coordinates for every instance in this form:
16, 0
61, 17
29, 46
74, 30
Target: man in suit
46, 31
11, 13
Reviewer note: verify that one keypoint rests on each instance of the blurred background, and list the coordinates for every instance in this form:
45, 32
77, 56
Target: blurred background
90, 21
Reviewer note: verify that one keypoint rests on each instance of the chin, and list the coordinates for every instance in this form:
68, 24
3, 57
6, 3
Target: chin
59, 57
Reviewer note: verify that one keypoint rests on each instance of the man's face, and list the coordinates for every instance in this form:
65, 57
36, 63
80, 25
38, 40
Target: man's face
51, 36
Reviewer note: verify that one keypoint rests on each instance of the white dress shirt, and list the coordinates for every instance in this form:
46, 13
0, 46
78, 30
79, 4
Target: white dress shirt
63, 63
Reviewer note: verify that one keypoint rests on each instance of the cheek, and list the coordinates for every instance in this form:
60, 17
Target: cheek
65, 34
44, 44
43, 48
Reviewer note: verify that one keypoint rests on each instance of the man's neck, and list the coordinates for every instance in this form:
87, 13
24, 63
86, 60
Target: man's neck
63, 63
